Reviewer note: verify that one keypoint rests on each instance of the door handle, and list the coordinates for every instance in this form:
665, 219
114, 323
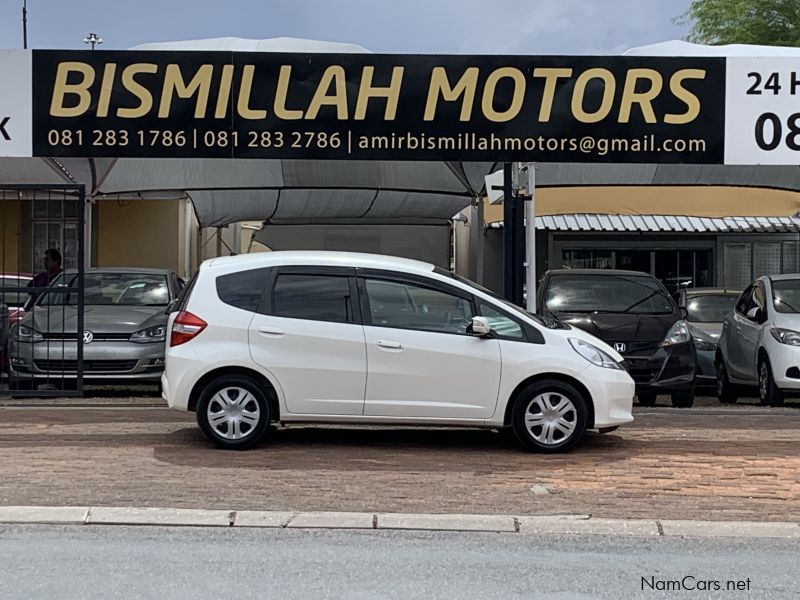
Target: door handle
390, 344
267, 330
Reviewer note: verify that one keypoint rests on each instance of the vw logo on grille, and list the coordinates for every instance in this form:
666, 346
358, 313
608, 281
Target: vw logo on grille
88, 337
619, 347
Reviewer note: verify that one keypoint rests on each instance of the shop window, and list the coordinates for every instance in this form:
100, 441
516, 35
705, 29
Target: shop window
586, 259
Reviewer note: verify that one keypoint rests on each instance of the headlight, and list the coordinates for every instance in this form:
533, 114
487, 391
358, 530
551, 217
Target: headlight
594, 355
27, 334
677, 334
151, 334
786, 336
704, 345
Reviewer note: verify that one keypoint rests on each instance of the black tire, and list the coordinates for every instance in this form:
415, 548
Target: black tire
227, 386
727, 393
549, 392
646, 398
768, 392
683, 399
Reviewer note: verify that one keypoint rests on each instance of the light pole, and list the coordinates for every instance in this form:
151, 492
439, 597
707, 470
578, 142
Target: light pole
25, 24
93, 39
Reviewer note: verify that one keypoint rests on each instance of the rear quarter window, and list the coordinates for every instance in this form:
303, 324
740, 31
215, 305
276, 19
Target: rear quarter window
243, 289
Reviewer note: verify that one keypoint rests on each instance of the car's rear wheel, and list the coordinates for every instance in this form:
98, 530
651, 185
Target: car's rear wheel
549, 416
768, 392
726, 391
233, 412
646, 398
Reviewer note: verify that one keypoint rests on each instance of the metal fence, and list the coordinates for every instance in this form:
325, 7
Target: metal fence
41, 306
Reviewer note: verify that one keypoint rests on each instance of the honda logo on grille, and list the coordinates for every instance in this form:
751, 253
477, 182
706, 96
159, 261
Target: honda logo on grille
88, 337
619, 347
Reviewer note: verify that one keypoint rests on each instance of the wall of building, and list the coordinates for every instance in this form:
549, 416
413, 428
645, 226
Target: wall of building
144, 233
9, 235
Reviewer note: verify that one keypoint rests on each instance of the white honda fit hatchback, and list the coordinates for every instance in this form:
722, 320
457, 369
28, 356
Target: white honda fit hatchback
331, 337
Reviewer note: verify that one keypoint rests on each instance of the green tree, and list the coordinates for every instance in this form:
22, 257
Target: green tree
765, 22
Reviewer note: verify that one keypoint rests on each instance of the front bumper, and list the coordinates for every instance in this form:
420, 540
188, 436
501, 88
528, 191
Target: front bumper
117, 360
664, 370
706, 370
785, 362
612, 394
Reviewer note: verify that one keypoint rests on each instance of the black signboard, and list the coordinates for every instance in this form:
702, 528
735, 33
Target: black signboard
377, 106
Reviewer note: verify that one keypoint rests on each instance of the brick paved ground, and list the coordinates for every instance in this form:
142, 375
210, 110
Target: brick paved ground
713, 463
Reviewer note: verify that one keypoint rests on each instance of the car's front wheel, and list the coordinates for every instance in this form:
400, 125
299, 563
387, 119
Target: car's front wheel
549, 416
233, 412
683, 399
768, 392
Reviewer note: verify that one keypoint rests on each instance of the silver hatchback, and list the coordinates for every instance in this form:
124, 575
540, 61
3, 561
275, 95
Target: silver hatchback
123, 331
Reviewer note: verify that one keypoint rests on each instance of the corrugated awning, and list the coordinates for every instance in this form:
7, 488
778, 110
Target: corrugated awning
664, 223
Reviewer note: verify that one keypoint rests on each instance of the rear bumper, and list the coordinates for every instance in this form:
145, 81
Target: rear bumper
667, 370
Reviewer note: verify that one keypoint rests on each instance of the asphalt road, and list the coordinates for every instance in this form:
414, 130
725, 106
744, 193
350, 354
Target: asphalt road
195, 563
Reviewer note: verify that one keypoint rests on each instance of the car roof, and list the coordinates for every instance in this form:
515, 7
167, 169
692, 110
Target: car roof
609, 272
783, 277
710, 291
322, 259
126, 270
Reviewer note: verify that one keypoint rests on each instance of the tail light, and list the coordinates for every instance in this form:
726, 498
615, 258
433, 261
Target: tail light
186, 327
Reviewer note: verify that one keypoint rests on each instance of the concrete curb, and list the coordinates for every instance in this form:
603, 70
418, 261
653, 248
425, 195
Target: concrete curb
523, 525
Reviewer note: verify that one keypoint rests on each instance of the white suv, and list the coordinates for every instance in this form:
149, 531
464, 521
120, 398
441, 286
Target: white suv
331, 337
760, 341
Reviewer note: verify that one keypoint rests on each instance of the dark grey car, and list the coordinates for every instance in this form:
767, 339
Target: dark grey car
124, 329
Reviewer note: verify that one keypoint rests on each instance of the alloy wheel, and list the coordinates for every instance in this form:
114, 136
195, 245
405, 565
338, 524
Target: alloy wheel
551, 418
233, 413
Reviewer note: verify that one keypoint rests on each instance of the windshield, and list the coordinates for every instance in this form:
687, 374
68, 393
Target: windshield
550, 323
786, 295
709, 308
111, 289
607, 293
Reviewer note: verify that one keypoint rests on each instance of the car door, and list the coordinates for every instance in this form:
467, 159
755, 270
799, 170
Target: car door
308, 334
731, 345
749, 333
421, 361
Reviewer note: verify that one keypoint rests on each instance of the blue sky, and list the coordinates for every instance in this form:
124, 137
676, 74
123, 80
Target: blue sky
431, 26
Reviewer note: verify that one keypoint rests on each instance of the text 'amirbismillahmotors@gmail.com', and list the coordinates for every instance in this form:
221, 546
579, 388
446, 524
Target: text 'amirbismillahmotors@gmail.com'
691, 583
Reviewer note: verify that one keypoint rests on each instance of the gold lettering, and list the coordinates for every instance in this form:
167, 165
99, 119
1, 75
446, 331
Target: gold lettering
333, 75
367, 90
81, 89
644, 99
609, 87
105, 89
281, 93
174, 83
691, 101
440, 85
516, 100
224, 97
551, 77
137, 89
245, 88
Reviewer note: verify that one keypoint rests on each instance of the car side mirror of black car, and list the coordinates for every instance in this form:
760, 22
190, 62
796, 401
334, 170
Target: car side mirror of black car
684, 313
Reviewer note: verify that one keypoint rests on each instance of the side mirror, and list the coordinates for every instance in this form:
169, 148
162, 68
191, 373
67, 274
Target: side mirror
479, 327
684, 313
754, 314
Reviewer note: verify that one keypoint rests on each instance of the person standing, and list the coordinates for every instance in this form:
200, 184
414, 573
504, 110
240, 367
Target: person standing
52, 269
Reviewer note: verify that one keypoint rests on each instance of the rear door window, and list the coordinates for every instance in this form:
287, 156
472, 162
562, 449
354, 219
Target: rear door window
313, 297
243, 289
